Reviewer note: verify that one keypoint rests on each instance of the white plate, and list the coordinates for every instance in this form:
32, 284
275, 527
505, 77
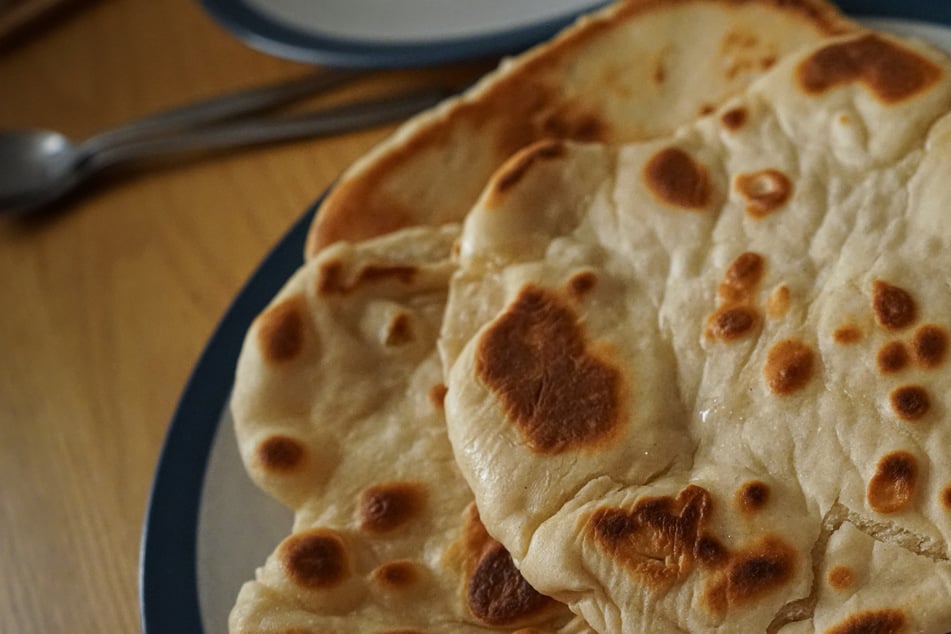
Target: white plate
387, 33
208, 527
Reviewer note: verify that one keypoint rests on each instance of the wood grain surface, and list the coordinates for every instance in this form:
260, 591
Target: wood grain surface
107, 304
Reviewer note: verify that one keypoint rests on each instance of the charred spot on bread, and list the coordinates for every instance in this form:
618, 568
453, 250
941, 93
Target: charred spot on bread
658, 539
675, 178
281, 330
753, 496
581, 283
910, 402
894, 307
280, 454
847, 334
891, 621
890, 71
734, 118
396, 575
892, 357
536, 360
930, 345
498, 594
386, 507
742, 277
751, 574
892, 488
840, 577
315, 559
789, 366
732, 322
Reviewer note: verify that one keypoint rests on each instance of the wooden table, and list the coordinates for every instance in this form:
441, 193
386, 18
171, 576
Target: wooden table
106, 306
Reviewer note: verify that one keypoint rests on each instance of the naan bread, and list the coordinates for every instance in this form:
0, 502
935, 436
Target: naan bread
338, 405
331, 402
670, 364
633, 71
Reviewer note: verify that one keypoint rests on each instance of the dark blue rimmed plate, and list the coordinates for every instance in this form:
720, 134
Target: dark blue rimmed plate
208, 527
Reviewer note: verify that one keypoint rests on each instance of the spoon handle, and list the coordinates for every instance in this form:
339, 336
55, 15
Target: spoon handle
245, 132
220, 108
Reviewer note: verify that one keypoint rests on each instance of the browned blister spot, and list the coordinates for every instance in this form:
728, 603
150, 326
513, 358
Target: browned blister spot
399, 331
281, 330
581, 283
513, 171
847, 334
890, 621
535, 359
437, 395
892, 488
892, 358
396, 575
751, 574
894, 307
765, 191
946, 497
677, 179
742, 277
789, 366
910, 402
659, 539
385, 507
891, 72
499, 595
840, 577
930, 344
280, 454
315, 559
734, 118
778, 302
753, 496
732, 322
737, 318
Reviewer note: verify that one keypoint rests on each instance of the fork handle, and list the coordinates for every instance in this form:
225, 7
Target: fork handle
255, 131
220, 108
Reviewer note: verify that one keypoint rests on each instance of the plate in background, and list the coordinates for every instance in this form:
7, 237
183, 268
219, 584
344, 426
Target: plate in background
387, 34
208, 527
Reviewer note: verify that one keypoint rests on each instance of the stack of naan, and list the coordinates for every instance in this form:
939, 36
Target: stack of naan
647, 332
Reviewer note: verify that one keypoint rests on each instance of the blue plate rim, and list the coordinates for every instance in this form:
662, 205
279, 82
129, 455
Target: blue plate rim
168, 576
269, 35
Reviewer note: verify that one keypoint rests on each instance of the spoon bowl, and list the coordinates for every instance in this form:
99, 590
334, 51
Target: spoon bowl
36, 166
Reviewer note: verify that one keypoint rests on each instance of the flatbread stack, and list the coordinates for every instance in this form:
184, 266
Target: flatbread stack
691, 384
699, 383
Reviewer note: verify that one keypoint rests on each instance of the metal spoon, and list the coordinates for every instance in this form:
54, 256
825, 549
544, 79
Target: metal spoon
38, 167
